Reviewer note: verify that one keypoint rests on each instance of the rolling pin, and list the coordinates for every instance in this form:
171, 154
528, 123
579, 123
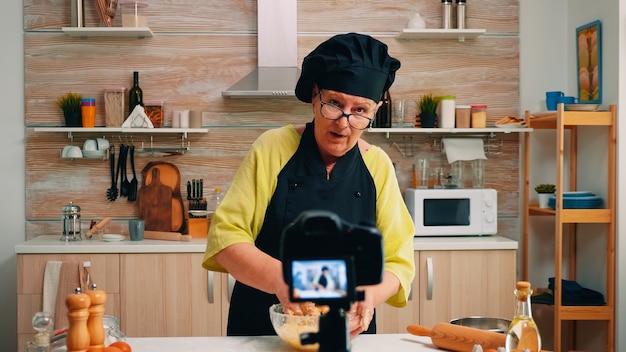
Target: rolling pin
99, 225
167, 236
459, 338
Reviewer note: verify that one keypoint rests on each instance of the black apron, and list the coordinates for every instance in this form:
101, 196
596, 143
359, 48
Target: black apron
303, 185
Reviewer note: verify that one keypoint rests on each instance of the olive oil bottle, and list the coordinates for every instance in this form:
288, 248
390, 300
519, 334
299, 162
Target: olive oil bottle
523, 334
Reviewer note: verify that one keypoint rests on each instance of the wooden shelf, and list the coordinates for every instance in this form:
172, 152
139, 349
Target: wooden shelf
559, 121
127, 32
436, 33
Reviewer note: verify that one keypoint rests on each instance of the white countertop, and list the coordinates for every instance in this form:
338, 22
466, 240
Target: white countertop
52, 244
362, 343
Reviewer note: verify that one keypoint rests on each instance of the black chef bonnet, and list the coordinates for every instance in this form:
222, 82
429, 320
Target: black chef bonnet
351, 63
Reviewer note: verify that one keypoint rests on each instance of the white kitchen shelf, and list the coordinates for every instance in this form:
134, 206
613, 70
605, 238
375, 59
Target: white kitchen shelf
165, 130
488, 130
85, 32
438, 33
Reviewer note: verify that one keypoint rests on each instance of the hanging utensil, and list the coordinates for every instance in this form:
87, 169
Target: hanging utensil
112, 192
125, 183
132, 190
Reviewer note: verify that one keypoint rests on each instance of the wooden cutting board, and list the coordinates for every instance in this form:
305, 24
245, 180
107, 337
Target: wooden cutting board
169, 176
155, 204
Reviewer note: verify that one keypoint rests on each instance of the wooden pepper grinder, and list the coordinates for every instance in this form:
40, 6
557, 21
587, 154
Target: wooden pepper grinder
77, 339
95, 325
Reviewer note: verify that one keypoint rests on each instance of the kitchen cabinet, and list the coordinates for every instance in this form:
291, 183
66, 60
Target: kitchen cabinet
570, 223
170, 294
104, 270
453, 284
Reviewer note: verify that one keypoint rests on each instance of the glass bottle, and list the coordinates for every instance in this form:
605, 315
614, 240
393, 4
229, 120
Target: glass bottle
383, 115
523, 334
42, 323
135, 95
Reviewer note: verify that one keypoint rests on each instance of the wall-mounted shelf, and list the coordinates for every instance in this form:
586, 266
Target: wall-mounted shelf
71, 130
128, 32
460, 131
437, 33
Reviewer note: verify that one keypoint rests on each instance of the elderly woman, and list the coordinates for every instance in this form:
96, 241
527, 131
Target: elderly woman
322, 165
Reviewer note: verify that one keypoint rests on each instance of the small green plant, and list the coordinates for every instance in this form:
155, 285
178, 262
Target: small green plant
428, 103
70, 102
545, 188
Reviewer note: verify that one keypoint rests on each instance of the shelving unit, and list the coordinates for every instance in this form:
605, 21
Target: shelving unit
560, 121
118, 32
436, 33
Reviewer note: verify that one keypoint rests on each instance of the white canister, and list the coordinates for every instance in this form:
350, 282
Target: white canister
447, 111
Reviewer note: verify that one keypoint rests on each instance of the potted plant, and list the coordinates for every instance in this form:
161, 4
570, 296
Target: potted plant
544, 192
427, 105
70, 104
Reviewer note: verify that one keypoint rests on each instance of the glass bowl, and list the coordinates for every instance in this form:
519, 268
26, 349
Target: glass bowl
290, 327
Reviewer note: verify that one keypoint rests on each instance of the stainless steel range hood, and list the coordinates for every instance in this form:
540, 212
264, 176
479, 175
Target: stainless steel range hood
277, 70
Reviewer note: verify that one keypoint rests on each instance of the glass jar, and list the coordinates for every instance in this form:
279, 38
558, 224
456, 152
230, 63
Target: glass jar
463, 115
114, 106
479, 116
112, 329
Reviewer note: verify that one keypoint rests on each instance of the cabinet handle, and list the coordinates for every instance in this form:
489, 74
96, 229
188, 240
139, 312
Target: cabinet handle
429, 278
210, 291
231, 286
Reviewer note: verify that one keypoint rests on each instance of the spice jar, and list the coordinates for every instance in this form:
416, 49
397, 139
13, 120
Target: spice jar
154, 111
479, 116
463, 116
114, 106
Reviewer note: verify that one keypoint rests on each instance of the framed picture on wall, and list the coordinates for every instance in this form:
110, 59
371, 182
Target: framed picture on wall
589, 63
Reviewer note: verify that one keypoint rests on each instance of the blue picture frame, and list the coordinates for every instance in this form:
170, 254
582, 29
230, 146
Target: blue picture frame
589, 63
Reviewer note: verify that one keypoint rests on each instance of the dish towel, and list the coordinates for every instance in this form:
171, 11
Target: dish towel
463, 149
51, 276
60, 280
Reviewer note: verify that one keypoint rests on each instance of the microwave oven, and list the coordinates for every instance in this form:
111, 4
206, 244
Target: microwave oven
453, 212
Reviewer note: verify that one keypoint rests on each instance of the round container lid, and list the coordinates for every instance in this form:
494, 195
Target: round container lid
479, 106
447, 97
88, 101
463, 106
70, 208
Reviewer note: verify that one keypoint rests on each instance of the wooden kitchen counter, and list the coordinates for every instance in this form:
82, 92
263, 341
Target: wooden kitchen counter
51, 244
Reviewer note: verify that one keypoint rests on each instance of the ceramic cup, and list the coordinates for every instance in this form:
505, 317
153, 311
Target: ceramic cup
135, 229
195, 119
552, 98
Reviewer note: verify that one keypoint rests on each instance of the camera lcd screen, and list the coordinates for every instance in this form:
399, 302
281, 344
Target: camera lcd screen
319, 279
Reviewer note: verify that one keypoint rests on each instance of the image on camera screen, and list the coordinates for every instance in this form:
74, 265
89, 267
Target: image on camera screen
319, 279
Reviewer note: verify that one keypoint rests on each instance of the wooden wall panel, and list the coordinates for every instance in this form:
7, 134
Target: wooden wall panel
202, 47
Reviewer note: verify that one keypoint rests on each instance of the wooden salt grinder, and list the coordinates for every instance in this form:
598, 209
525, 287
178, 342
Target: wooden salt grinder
77, 339
95, 326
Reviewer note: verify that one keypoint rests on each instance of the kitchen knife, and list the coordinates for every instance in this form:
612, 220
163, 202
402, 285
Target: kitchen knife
188, 190
200, 188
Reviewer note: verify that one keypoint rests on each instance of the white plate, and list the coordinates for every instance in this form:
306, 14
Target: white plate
510, 125
112, 238
581, 107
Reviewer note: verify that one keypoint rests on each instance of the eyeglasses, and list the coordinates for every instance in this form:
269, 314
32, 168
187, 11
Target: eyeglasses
333, 112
